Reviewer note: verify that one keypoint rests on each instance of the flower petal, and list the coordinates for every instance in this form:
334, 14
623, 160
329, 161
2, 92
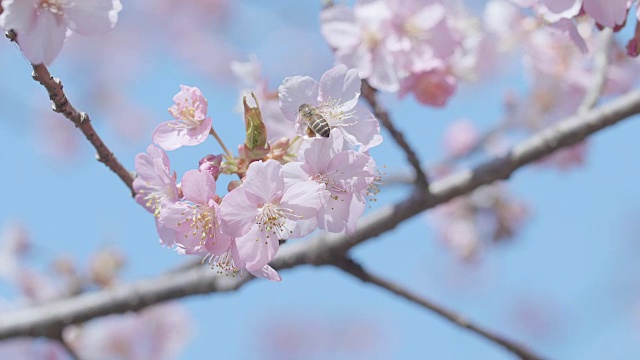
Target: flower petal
198, 186
44, 42
264, 182
296, 91
340, 83
266, 272
92, 17
237, 213
364, 129
304, 198
167, 137
255, 249
19, 15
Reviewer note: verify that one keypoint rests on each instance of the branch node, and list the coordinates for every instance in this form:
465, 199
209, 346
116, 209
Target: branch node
11, 35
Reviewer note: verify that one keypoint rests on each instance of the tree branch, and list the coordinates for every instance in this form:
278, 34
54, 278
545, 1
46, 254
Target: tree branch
351, 267
62, 105
381, 113
321, 249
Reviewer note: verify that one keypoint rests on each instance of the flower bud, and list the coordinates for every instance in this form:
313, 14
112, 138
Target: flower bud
211, 163
256, 146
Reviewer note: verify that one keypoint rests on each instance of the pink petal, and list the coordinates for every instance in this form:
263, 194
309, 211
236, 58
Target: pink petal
304, 198
340, 83
44, 42
167, 235
608, 13
355, 212
364, 131
266, 272
198, 186
255, 249
237, 213
92, 17
264, 182
167, 137
339, 28
220, 243
333, 216
199, 134
19, 15
296, 91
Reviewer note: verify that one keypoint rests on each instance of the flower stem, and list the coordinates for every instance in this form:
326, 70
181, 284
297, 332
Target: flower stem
215, 135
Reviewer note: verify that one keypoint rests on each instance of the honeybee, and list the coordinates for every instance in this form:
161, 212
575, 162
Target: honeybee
316, 123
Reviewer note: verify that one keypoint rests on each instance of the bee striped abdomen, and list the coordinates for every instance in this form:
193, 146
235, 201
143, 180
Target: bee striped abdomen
315, 121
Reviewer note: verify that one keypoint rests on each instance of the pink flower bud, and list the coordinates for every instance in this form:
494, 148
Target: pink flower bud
211, 163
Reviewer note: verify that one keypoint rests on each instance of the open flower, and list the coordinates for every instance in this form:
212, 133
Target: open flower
346, 175
196, 220
336, 100
42, 25
263, 211
155, 187
191, 125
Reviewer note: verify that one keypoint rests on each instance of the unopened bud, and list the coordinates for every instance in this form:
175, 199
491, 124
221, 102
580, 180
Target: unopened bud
233, 184
255, 144
211, 163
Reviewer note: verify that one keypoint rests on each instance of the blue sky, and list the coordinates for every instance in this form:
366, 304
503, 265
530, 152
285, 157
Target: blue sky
574, 265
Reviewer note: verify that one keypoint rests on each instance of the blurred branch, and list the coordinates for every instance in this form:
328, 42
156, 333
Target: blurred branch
321, 249
62, 105
351, 267
381, 113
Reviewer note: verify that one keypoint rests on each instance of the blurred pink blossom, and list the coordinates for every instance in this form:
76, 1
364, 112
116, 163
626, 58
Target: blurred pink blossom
42, 25
460, 138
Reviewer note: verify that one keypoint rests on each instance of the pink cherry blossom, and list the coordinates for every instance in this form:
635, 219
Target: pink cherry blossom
191, 125
159, 332
460, 138
196, 220
42, 25
609, 13
336, 99
211, 163
345, 174
430, 87
155, 187
263, 211
360, 36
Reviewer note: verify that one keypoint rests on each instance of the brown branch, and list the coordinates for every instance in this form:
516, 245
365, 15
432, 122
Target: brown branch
62, 105
369, 93
321, 249
351, 267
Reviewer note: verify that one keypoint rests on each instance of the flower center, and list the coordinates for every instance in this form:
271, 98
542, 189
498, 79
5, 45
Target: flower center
185, 115
334, 186
334, 114
203, 221
272, 220
154, 196
224, 263
55, 6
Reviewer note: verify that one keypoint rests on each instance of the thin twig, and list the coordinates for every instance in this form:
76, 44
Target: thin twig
351, 267
62, 105
381, 113
600, 71
323, 248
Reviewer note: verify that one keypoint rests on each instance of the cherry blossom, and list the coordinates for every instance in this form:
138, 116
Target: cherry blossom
336, 98
191, 125
263, 211
155, 187
196, 220
345, 174
42, 25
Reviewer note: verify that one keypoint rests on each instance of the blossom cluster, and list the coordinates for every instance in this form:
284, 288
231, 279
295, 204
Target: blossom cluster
403, 45
606, 13
288, 187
